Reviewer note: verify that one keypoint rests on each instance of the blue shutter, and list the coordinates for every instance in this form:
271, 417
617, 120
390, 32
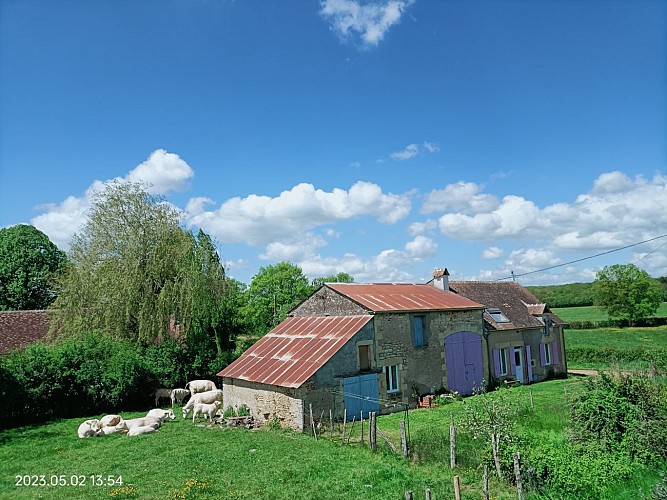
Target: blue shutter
418, 330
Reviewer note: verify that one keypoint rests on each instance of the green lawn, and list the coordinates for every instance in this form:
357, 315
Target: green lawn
184, 461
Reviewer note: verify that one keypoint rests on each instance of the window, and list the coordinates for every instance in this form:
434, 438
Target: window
391, 372
547, 354
418, 331
497, 315
502, 359
364, 357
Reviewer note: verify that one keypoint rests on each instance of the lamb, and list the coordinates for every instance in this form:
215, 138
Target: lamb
110, 421
161, 415
178, 395
141, 429
162, 394
143, 422
207, 397
89, 428
200, 386
205, 409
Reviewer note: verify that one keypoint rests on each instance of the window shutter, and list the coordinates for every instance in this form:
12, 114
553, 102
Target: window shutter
543, 357
529, 364
496, 362
554, 353
510, 351
418, 327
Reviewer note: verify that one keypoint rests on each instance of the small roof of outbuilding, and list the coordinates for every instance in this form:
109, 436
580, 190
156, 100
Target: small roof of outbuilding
389, 297
294, 350
20, 328
520, 306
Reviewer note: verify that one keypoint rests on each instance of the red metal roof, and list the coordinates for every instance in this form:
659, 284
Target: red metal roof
384, 297
294, 350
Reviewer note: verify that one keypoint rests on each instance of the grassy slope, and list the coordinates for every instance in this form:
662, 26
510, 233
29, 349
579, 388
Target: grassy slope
594, 313
184, 461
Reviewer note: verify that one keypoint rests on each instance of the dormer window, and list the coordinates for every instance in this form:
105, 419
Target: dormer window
497, 315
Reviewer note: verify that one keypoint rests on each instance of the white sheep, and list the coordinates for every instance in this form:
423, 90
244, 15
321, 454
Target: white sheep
89, 428
110, 421
142, 422
141, 429
207, 397
115, 429
200, 386
205, 409
161, 415
178, 395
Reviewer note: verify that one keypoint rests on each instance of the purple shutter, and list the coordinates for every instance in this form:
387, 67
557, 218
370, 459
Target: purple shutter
496, 362
529, 364
554, 353
510, 350
543, 357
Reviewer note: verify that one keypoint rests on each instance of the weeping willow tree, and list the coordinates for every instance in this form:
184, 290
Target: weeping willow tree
135, 273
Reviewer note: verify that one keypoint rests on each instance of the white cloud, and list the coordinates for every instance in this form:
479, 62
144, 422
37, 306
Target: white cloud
412, 150
293, 250
461, 196
421, 247
492, 253
162, 172
369, 21
260, 220
422, 227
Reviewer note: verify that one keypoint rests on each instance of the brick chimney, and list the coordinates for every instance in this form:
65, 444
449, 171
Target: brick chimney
441, 278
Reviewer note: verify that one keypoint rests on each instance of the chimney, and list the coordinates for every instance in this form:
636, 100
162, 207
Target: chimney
441, 279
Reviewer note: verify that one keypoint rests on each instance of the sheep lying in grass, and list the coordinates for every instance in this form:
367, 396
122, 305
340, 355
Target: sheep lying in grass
143, 422
141, 429
161, 415
89, 428
115, 429
205, 409
110, 421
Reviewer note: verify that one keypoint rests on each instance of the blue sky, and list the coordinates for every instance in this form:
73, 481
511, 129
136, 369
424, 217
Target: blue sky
382, 139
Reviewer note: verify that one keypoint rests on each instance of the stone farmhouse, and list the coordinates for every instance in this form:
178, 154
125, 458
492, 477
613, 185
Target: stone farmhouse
357, 348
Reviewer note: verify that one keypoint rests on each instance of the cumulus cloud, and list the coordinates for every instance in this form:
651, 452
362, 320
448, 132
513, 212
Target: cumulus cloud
422, 227
461, 196
260, 220
162, 173
369, 21
293, 250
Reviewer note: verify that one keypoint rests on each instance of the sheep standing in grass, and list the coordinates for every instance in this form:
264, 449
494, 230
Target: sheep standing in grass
205, 409
178, 395
207, 397
196, 386
162, 394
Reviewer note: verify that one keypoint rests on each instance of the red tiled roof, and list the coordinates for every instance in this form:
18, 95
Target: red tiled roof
294, 350
20, 328
385, 297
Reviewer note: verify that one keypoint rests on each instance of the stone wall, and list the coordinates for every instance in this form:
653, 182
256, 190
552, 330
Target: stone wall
327, 302
265, 402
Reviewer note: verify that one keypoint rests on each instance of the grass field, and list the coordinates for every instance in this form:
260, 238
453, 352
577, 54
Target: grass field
183, 461
594, 313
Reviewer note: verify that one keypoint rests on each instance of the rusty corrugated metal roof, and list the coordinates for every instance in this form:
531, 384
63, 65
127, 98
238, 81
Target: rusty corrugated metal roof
385, 297
294, 350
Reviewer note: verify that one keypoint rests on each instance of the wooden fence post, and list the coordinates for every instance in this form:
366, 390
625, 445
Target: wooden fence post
517, 474
312, 421
457, 488
485, 483
351, 430
428, 493
532, 405
404, 440
452, 444
362, 427
342, 436
330, 424
373, 432
496, 459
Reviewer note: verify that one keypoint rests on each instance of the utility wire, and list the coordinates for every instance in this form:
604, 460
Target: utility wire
582, 259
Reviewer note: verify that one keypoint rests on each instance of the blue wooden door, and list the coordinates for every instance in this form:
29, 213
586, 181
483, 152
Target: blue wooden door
361, 395
463, 355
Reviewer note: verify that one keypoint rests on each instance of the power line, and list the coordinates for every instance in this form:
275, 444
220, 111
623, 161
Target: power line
582, 259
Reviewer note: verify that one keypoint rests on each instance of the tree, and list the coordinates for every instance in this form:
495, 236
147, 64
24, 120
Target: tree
273, 291
627, 292
29, 262
332, 278
133, 271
